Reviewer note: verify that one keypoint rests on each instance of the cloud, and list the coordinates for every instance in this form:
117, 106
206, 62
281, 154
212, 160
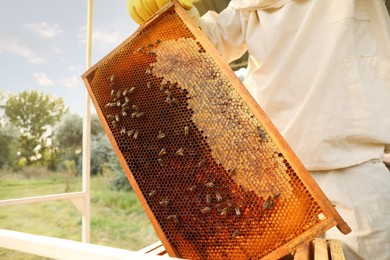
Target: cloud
71, 82
44, 29
105, 37
56, 49
16, 46
77, 68
42, 79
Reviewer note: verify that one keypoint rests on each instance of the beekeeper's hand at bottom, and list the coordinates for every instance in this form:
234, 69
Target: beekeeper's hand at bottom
141, 10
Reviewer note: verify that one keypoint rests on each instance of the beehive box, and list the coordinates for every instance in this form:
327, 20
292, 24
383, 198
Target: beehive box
213, 174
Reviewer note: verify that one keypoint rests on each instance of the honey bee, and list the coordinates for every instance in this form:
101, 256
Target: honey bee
135, 136
110, 117
201, 163
164, 202
208, 198
131, 90
130, 133
117, 118
150, 53
210, 185
160, 135
140, 49
123, 130
134, 114
125, 104
112, 78
218, 207
180, 152
140, 114
174, 218
112, 93
229, 203
124, 93
158, 41
218, 195
268, 204
151, 193
127, 99
148, 71
135, 107
193, 188
206, 210
118, 94
160, 161
237, 209
149, 85
235, 233
175, 101
277, 195
118, 103
113, 123
233, 172
149, 45
224, 211
261, 133
168, 100
168, 93
162, 152
186, 130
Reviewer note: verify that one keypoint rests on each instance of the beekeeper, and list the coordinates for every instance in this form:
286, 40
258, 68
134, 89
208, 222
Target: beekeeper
320, 69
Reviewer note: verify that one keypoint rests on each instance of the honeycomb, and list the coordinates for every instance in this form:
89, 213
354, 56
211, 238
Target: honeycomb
212, 179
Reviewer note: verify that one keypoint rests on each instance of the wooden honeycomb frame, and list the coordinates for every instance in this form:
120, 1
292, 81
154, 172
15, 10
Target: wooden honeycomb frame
213, 174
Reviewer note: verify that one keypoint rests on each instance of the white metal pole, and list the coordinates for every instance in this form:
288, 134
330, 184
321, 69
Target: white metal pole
86, 172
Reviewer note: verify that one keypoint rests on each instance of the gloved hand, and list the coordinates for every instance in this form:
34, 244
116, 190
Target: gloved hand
141, 10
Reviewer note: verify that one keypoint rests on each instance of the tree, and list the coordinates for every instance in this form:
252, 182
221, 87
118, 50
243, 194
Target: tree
101, 152
96, 126
34, 114
8, 143
68, 133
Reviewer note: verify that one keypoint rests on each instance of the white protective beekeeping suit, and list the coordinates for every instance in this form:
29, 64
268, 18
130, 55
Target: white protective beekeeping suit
320, 69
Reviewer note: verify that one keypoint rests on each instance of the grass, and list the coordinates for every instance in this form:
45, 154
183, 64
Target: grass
117, 218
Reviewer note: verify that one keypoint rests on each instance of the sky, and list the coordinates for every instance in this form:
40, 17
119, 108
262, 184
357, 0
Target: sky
43, 44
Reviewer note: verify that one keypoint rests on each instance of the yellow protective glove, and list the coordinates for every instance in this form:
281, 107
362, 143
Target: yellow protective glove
141, 10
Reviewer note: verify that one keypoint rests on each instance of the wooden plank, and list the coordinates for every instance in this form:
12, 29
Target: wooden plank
302, 252
150, 248
58, 248
295, 243
320, 249
154, 249
159, 251
336, 251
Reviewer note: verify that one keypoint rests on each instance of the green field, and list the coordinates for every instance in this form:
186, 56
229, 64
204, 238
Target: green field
117, 218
